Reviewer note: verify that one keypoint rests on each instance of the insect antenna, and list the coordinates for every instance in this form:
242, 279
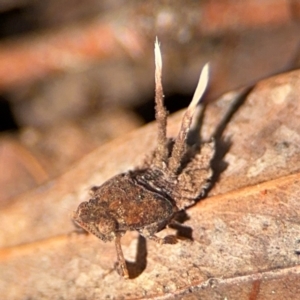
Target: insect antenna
179, 144
161, 153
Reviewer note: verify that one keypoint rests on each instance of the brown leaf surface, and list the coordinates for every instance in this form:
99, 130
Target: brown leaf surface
246, 234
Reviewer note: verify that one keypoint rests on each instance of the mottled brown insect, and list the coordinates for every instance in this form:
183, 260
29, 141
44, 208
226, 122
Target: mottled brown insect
147, 198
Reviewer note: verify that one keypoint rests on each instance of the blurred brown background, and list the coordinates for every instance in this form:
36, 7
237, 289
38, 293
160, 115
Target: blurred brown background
76, 74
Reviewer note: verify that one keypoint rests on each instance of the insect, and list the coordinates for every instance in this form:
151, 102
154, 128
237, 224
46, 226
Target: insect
146, 199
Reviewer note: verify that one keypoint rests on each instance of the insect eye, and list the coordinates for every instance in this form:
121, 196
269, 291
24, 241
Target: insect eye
92, 202
82, 206
106, 225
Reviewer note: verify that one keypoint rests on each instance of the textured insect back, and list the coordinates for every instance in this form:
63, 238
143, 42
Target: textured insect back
195, 177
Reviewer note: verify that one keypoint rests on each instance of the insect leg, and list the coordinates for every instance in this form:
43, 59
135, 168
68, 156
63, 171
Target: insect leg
121, 260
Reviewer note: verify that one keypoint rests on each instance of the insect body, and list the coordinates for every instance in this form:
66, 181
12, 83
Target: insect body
147, 198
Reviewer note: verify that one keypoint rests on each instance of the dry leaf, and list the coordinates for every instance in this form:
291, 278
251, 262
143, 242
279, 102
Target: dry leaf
246, 234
